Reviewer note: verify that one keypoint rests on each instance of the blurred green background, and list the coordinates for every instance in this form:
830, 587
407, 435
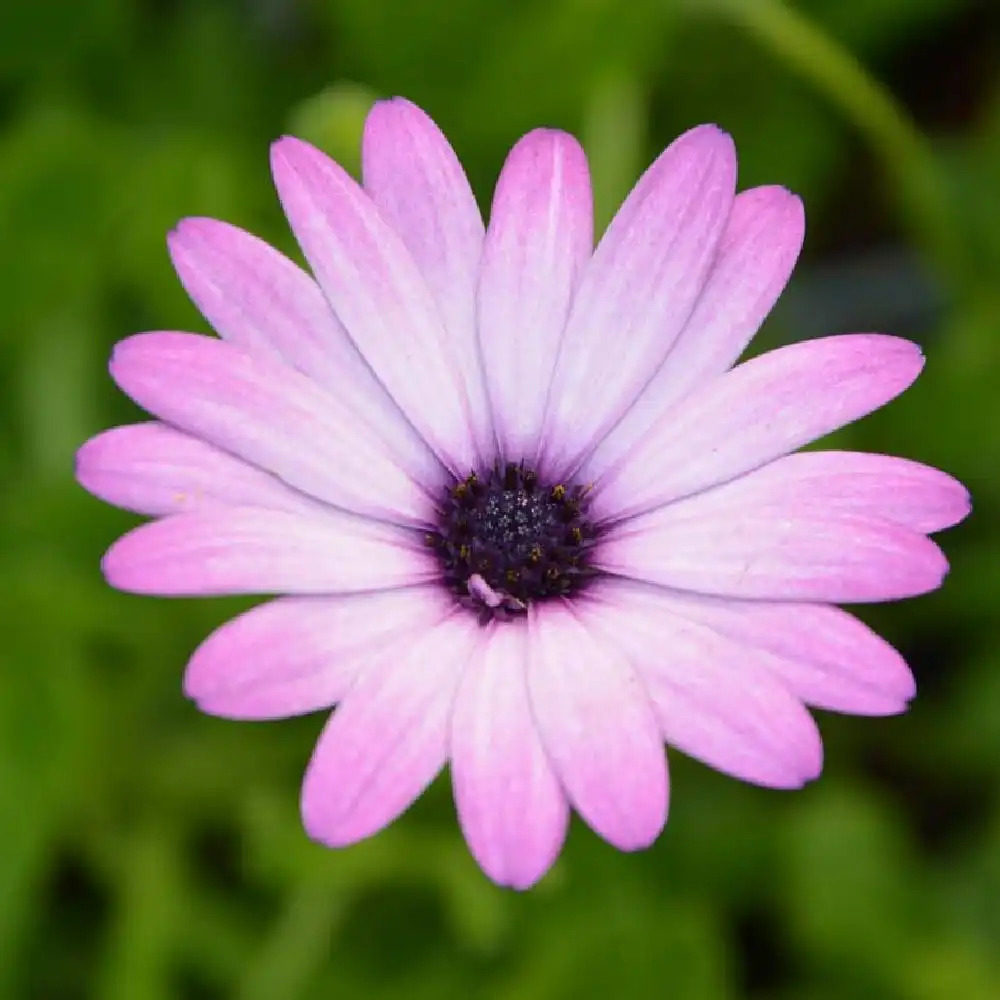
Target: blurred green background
148, 852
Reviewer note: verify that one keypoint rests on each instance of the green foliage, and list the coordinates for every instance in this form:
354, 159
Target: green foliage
149, 852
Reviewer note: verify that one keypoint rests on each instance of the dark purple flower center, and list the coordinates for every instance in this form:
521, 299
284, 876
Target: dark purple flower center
506, 539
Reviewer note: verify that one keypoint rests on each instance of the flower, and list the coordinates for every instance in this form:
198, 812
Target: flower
526, 516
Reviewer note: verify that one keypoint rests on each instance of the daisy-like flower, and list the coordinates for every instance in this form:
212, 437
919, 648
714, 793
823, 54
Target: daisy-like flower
525, 516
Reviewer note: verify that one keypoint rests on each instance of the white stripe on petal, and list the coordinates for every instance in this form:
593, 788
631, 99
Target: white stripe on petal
302, 654
415, 179
775, 554
245, 550
510, 803
759, 411
598, 728
824, 655
637, 293
271, 416
389, 737
378, 293
713, 701
540, 238
756, 255
839, 483
256, 298
155, 469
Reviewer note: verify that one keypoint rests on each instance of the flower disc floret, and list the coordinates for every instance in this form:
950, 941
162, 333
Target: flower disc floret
507, 538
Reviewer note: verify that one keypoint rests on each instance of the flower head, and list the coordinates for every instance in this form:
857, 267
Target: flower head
525, 515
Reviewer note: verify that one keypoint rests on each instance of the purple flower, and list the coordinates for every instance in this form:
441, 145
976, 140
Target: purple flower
527, 517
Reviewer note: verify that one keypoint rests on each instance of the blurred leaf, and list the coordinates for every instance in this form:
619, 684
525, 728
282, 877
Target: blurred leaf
945, 969
150, 910
42, 38
579, 955
56, 401
870, 27
48, 718
852, 902
56, 192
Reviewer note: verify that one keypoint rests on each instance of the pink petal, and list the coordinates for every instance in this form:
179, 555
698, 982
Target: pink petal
638, 292
415, 180
155, 469
840, 483
509, 800
713, 702
244, 550
598, 728
302, 654
782, 554
257, 299
378, 293
755, 259
389, 738
757, 412
540, 237
270, 415
822, 654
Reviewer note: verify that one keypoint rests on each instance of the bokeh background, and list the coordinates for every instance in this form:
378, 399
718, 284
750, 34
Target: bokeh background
148, 852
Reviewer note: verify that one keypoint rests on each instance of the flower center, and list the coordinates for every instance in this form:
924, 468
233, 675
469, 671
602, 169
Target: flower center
506, 539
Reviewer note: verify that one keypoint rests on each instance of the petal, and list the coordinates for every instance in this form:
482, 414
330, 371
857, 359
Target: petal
759, 411
415, 179
389, 738
713, 701
848, 483
756, 255
540, 237
822, 654
256, 298
243, 550
270, 415
510, 803
155, 469
782, 554
598, 728
378, 293
638, 292
302, 654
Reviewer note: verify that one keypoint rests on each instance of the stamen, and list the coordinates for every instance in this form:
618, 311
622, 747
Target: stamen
482, 591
